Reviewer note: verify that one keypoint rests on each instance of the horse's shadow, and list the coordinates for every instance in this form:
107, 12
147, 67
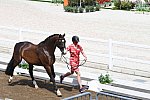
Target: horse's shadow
42, 84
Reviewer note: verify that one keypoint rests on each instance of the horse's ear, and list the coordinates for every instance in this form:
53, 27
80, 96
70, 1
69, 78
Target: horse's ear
60, 35
64, 35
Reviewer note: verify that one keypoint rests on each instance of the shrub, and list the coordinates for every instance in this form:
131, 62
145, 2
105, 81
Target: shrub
91, 8
81, 10
117, 4
75, 10
104, 79
71, 9
24, 66
123, 5
68, 9
143, 7
87, 9
97, 7
126, 5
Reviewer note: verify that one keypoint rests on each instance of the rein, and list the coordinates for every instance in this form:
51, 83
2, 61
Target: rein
64, 59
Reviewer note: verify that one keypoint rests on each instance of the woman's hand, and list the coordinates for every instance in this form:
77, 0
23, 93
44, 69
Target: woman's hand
85, 58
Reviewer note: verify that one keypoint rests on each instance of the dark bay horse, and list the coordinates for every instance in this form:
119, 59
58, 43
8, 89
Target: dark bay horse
41, 55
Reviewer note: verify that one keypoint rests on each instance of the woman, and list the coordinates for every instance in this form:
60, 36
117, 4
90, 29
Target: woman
75, 50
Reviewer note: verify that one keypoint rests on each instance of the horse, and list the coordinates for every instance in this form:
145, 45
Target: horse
41, 54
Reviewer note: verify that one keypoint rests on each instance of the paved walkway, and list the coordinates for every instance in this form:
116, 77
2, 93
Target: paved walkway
104, 24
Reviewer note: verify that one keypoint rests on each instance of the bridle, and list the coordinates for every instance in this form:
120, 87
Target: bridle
60, 43
64, 59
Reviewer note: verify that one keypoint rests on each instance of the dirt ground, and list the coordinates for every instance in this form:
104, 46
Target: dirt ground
22, 89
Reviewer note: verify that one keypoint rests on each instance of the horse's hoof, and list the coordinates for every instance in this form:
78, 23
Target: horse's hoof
36, 87
58, 93
35, 84
9, 81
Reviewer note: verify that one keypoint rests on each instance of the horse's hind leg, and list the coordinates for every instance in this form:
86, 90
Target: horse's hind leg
31, 74
11, 66
9, 70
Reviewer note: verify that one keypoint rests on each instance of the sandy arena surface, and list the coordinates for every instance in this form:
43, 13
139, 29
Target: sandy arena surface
104, 24
22, 89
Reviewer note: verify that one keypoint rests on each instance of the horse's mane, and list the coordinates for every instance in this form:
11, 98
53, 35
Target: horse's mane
48, 38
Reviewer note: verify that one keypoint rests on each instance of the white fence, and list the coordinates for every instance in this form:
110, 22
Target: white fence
122, 57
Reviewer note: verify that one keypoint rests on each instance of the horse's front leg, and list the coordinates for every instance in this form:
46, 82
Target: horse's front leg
31, 74
10, 79
51, 75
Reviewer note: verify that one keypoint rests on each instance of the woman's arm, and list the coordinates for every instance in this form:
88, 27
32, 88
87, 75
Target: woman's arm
84, 54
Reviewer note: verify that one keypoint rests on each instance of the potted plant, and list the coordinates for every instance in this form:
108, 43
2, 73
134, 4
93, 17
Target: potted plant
24, 65
105, 79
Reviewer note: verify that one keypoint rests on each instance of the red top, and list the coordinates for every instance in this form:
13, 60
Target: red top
74, 56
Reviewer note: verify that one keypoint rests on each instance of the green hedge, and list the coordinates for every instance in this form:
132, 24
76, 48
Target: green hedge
123, 5
81, 9
143, 7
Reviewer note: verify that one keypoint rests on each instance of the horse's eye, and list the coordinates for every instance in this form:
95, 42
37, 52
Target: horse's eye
63, 40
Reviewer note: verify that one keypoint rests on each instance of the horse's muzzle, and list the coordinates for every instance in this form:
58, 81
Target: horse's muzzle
63, 51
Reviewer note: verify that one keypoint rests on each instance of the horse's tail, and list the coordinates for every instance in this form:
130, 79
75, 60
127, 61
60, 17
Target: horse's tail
10, 69
15, 60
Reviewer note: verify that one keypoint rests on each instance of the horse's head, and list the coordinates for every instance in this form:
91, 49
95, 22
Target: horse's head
61, 43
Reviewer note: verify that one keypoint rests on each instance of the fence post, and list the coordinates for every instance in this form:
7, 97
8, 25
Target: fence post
110, 55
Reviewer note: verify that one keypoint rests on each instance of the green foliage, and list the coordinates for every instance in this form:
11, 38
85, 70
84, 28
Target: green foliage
87, 9
75, 10
98, 7
104, 79
126, 5
58, 1
83, 2
81, 10
68, 8
123, 5
147, 1
24, 66
91, 8
117, 4
142, 7
71, 9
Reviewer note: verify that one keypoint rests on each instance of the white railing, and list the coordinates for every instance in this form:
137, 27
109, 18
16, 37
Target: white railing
111, 56
93, 56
